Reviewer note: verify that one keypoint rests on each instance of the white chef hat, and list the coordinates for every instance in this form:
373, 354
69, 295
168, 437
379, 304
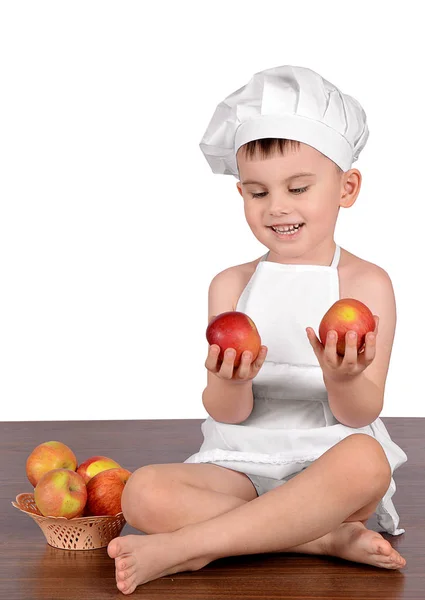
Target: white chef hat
286, 102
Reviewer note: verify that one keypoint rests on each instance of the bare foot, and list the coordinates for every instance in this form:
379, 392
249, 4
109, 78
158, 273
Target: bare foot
353, 541
142, 558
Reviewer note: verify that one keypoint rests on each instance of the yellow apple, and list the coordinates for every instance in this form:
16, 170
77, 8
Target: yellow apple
61, 493
94, 465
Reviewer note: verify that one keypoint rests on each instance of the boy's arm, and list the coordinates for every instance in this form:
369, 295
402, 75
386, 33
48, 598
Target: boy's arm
359, 401
227, 401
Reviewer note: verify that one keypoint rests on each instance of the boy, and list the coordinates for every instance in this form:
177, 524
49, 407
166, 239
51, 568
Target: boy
295, 457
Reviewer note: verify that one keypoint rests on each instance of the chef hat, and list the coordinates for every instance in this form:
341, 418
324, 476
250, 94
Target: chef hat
286, 102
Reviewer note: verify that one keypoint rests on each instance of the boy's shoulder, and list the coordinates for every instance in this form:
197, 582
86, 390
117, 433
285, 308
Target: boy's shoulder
234, 279
361, 278
353, 266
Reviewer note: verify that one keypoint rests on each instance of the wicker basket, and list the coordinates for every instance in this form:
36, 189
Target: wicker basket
79, 533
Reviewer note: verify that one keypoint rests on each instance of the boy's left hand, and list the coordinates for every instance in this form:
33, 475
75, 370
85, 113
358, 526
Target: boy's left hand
339, 368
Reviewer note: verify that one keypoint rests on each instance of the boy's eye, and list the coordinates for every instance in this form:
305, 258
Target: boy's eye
294, 190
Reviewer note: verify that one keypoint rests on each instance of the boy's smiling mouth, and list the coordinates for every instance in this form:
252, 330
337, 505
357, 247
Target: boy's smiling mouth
286, 229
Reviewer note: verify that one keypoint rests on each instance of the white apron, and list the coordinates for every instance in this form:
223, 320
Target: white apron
291, 424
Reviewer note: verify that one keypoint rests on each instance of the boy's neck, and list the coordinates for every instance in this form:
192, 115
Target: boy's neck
321, 255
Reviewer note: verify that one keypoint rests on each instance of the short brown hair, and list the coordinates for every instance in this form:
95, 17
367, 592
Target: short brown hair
268, 146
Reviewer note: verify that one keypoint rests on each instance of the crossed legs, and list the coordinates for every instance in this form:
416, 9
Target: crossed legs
196, 515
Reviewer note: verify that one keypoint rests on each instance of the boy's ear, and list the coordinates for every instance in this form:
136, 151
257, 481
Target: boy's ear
239, 186
352, 181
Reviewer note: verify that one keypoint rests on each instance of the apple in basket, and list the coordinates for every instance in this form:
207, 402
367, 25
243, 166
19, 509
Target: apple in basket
94, 465
104, 492
345, 315
48, 456
61, 493
234, 329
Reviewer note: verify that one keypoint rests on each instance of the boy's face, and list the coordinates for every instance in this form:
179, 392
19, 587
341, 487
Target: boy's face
281, 200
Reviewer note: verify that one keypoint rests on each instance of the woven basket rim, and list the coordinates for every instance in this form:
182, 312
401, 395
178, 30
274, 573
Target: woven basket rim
17, 504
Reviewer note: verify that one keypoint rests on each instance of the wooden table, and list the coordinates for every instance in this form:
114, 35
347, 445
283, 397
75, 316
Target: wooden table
30, 569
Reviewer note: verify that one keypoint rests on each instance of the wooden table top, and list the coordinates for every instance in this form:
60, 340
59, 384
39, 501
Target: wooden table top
30, 569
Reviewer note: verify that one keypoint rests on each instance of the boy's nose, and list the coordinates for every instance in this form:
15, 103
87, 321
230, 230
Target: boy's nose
280, 205
280, 208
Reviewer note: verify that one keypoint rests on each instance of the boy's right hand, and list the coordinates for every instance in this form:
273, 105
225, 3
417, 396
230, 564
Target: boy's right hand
225, 369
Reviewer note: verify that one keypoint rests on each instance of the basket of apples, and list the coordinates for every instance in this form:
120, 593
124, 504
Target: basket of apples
76, 508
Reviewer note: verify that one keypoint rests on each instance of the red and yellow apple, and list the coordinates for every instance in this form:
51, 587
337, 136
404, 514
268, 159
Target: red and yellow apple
234, 329
345, 315
94, 465
48, 456
104, 492
61, 493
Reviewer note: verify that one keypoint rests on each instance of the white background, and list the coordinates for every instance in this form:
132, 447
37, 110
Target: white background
112, 224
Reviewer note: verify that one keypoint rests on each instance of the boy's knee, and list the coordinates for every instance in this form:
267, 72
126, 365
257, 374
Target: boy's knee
370, 455
137, 500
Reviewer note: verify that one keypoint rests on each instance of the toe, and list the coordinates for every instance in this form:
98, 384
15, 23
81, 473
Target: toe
123, 575
125, 562
388, 557
384, 548
394, 561
114, 548
399, 560
128, 586
121, 545
122, 586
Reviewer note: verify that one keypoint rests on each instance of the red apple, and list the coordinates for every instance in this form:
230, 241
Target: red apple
94, 465
104, 492
345, 315
234, 329
61, 493
48, 456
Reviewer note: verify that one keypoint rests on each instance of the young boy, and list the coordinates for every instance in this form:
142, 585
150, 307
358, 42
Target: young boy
295, 457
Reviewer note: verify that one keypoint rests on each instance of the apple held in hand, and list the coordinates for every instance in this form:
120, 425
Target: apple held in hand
104, 492
48, 456
345, 315
234, 329
61, 493
94, 465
